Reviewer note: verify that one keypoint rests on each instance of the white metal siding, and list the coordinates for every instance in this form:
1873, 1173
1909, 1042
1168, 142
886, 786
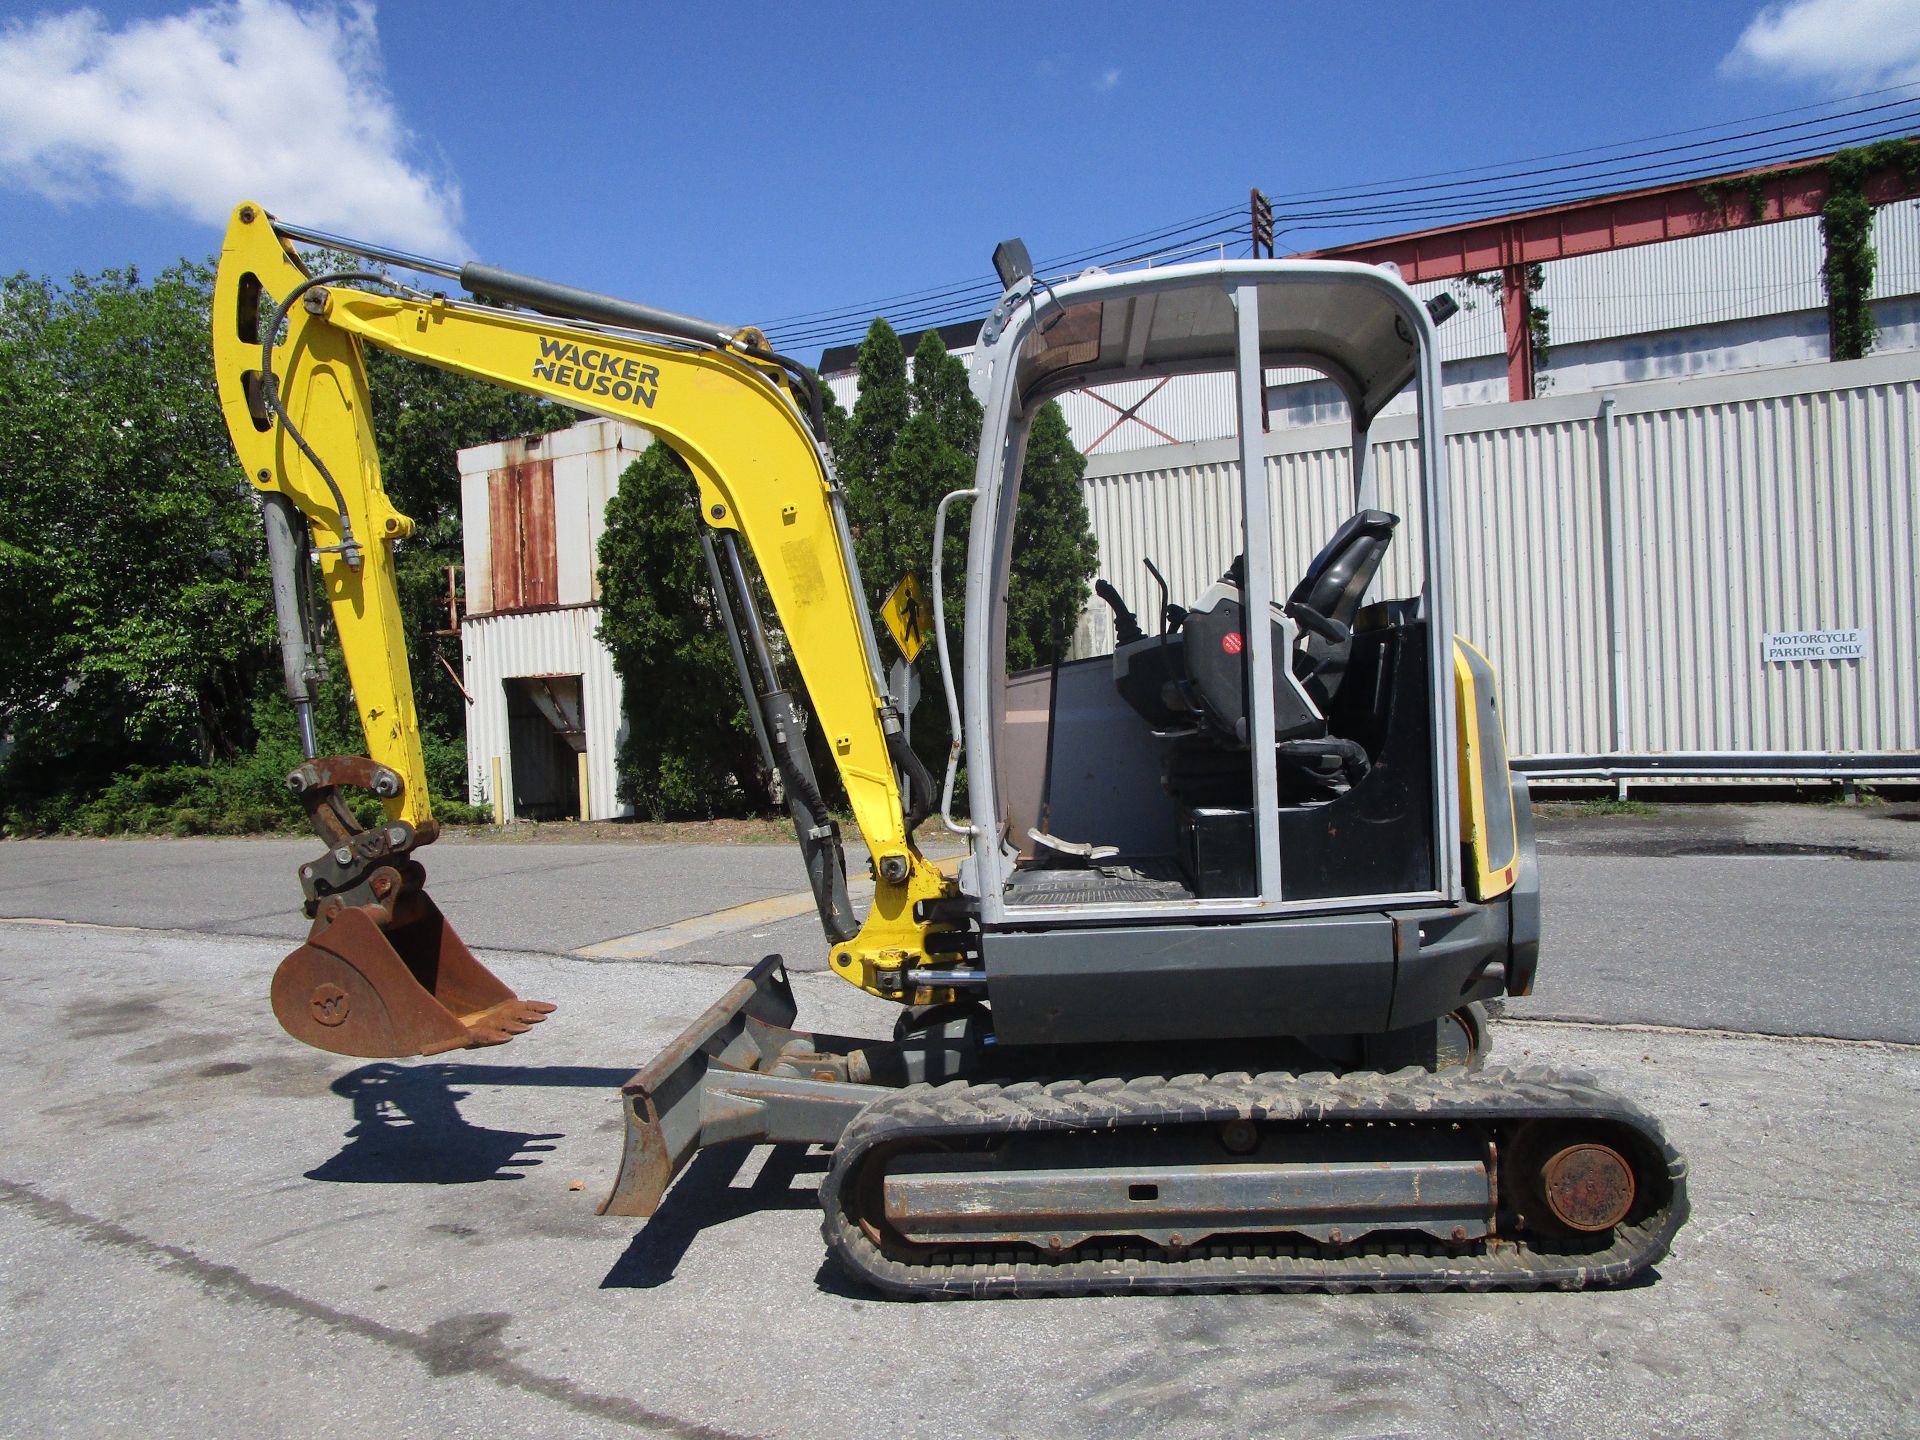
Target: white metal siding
1789, 513
1752, 503
540, 642
1185, 407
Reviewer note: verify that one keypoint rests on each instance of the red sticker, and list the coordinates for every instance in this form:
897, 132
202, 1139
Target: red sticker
1231, 642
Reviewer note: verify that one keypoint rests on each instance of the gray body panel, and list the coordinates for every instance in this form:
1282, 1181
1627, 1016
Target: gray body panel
1184, 982
1353, 974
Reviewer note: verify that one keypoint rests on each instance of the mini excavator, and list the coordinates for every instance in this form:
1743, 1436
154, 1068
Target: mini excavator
1202, 1005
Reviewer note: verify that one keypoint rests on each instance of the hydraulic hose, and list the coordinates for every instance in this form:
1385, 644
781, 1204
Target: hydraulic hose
920, 790
809, 386
270, 392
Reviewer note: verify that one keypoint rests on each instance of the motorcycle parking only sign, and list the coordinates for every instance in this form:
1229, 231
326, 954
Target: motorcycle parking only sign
1789, 646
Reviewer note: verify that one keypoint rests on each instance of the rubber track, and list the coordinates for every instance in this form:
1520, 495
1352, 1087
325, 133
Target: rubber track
1482, 1096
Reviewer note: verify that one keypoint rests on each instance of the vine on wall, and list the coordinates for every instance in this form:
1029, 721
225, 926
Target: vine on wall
1846, 226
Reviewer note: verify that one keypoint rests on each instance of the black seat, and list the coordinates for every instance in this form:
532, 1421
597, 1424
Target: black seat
1328, 598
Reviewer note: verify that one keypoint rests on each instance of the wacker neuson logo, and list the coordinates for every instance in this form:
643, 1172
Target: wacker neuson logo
597, 372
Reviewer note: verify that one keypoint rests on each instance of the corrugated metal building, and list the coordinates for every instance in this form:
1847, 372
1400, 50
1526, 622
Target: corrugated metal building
1687, 486
544, 725
1622, 557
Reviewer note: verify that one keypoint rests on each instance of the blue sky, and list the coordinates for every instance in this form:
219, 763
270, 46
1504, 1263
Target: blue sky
750, 162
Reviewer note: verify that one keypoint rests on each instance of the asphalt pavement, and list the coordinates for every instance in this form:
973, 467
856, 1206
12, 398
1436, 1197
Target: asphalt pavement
207, 1229
1692, 917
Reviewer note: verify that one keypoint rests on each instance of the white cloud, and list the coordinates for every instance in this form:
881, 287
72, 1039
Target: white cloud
236, 100
1109, 79
1838, 44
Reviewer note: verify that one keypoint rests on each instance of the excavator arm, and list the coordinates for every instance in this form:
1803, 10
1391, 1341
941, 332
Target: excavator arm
289, 355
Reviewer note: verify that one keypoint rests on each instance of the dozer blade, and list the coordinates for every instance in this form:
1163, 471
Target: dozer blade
382, 988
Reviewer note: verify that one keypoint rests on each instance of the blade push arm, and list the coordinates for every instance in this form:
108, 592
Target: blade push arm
727, 414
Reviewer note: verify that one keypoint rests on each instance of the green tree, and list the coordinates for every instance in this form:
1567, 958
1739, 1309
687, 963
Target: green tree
131, 564
879, 412
891, 500
914, 442
929, 455
132, 572
1054, 549
690, 749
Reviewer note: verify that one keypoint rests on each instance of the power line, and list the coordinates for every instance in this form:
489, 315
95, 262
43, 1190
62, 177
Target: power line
792, 330
1437, 196
934, 315
967, 285
1388, 220
1780, 134
964, 305
1405, 180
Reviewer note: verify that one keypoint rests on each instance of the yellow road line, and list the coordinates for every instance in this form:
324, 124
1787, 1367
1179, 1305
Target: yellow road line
645, 943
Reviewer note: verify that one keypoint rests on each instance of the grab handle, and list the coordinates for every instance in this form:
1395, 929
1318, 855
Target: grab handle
946, 670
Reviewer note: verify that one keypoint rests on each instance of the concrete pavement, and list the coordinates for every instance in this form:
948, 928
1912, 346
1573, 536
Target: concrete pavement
207, 1229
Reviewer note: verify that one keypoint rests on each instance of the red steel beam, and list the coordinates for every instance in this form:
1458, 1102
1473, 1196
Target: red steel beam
1510, 243
1608, 222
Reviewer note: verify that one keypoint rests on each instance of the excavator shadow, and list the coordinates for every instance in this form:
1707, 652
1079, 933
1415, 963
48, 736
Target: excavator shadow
706, 1195
408, 1130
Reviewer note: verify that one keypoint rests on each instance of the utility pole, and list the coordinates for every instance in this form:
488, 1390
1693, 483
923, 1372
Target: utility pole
1260, 222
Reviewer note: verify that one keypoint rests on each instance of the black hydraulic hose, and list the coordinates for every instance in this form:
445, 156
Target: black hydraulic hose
270, 390
920, 788
809, 386
794, 775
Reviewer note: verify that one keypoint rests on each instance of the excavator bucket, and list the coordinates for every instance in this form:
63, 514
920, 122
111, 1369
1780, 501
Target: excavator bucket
382, 975
385, 984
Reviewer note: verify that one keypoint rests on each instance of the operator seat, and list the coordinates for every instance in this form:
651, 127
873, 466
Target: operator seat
1328, 598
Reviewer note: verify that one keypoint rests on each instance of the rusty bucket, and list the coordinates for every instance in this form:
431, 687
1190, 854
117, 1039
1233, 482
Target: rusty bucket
383, 984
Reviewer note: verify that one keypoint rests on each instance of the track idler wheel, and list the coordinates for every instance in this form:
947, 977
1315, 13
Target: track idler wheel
1573, 1180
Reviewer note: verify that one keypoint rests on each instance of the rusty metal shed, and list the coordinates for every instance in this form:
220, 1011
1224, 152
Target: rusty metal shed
544, 723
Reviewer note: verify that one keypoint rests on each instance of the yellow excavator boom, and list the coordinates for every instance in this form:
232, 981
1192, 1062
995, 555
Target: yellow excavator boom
289, 355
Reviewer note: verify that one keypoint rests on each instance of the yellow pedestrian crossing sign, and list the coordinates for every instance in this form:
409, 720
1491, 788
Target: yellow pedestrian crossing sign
909, 617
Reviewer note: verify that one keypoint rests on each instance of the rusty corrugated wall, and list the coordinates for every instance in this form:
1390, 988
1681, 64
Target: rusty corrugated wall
532, 513
523, 562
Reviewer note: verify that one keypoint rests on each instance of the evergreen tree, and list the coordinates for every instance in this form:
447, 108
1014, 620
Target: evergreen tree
933, 452
879, 413
1054, 549
690, 750
942, 390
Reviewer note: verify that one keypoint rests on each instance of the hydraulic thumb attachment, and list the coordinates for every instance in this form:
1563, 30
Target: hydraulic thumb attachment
382, 974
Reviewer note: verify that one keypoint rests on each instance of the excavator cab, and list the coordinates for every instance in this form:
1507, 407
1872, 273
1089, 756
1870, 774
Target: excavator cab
1278, 804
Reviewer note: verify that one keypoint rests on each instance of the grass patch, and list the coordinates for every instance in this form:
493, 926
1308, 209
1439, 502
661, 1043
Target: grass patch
1862, 795
1611, 805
